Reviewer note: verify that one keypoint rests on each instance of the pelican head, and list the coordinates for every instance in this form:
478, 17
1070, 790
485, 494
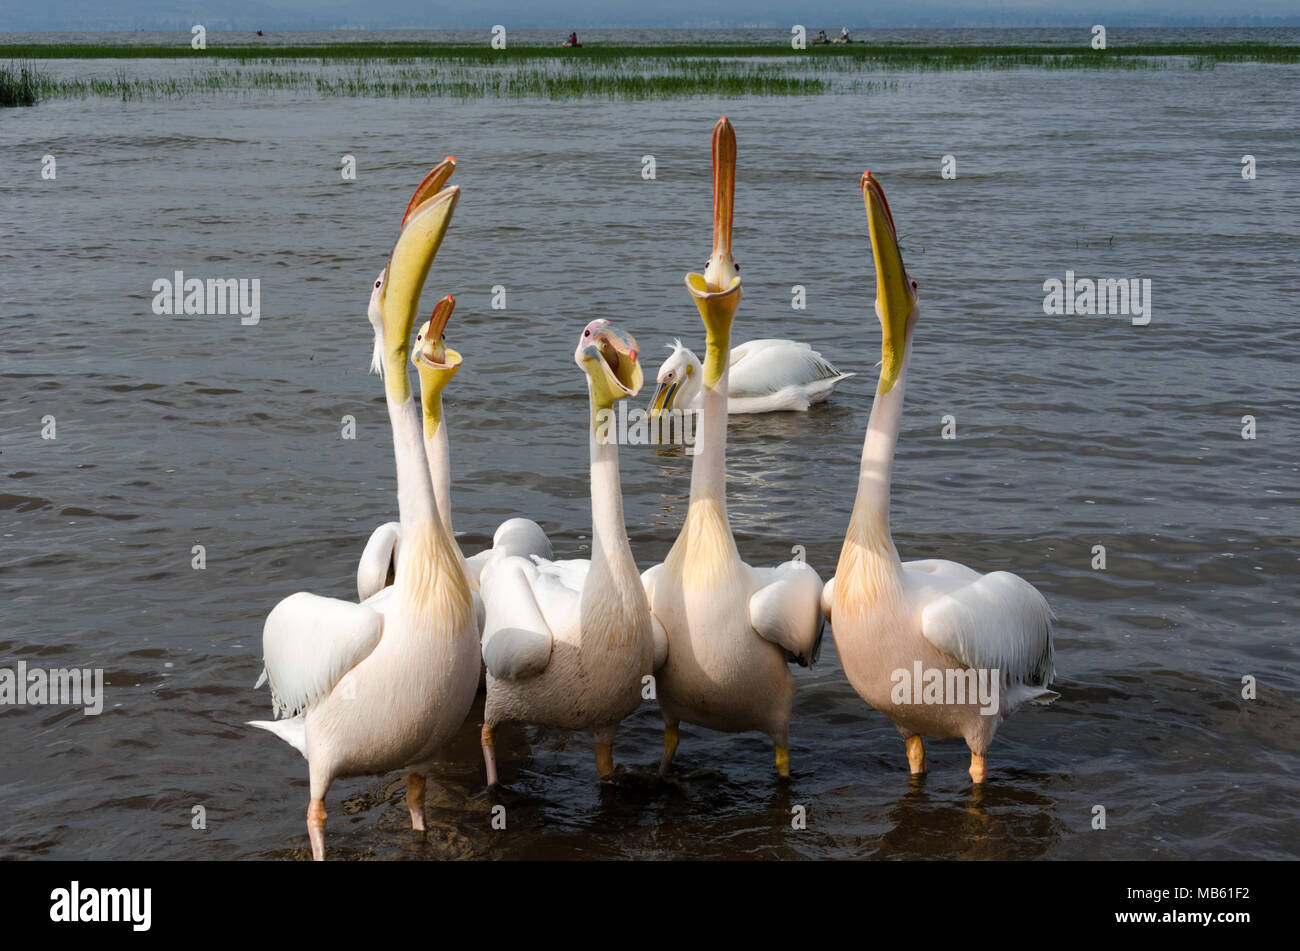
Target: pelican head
428, 187
679, 380
717, 291
896, 298
399, 291
436, 362
376, 315
608, 356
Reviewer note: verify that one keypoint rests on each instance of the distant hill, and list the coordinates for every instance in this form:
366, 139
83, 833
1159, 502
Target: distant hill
563, 15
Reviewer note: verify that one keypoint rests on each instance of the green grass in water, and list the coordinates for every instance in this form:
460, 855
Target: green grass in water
623, 72
19, 84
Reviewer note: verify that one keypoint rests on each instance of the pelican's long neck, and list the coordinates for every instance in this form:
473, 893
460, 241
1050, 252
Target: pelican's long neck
877, 468
415, 499
436, 450
708, 471
705, 554
869, 564
611, 555
429, 579
438, 454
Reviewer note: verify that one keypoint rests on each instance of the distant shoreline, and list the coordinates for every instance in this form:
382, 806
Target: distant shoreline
890, 55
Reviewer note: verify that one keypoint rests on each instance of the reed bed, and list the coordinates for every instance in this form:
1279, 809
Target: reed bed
19, 85
417, 70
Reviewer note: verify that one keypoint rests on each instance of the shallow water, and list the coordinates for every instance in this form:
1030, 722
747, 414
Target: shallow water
1071, 432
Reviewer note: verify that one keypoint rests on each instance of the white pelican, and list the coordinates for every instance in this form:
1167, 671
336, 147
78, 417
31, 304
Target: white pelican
367, 688
763, 376
731, 628
515, 536
567, 643
892, 621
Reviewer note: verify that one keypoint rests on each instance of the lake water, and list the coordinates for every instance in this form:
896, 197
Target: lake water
1071, 432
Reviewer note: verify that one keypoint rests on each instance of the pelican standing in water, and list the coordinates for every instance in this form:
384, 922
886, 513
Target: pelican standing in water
568, 643
963, 633
731, 628
367, 688
763, 376
516, 536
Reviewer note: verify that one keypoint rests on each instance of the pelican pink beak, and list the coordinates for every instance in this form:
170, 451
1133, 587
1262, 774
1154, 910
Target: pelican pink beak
436, 362
430, 186
717, 291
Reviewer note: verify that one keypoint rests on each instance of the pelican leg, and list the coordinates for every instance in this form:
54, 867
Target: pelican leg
670, 748
604, 761
605, 753
415, 800
978, 771
316, 828
490, 755
916, 755
783, 762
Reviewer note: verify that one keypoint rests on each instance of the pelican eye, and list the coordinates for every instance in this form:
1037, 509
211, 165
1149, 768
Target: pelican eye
914, 285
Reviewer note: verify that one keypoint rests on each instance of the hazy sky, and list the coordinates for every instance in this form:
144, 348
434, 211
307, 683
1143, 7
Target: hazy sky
587, 14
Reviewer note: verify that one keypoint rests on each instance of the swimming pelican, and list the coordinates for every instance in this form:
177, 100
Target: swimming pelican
567, 643
367, 688
763, 376
515, 536
731, 628
893, 620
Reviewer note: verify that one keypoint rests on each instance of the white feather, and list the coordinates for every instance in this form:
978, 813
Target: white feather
292, 731
310, 643
378, 560
786, 609
999, 621
516, 639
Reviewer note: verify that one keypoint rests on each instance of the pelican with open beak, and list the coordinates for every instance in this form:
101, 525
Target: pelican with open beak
731, 628
986, 640
515, 536
367, 688
568, 643
431, 185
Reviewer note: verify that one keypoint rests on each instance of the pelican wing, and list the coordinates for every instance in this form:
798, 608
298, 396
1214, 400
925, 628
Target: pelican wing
515, 537
378, 560
516, 637
998, 621
828, 598
760, 367
786, 610
522, 537
942, 568
475, 564
309, 643
559, 591
649, 578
